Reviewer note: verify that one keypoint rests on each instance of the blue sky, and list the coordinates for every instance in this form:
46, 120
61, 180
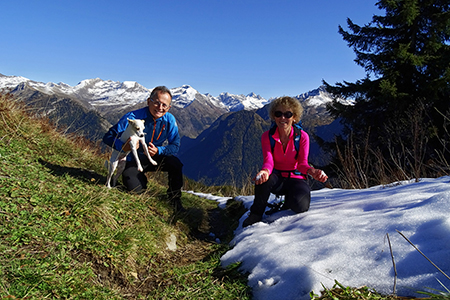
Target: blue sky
271, 48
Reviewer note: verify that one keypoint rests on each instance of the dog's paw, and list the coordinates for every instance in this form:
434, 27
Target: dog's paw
153, 162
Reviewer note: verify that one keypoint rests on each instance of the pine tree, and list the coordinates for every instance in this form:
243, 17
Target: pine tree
406, 56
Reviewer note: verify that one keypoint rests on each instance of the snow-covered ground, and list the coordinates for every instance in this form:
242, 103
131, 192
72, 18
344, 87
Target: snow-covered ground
343, 237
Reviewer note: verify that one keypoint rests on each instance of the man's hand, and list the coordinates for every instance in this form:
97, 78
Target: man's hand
152, 149
127, 147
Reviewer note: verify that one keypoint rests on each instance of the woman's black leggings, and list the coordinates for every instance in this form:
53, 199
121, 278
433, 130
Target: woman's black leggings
296, 191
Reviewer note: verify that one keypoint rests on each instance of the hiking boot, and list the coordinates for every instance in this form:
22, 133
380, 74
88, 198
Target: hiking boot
176, 203
276, 207
252, 219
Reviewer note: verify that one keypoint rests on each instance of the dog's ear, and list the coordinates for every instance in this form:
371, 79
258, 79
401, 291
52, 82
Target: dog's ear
130, 121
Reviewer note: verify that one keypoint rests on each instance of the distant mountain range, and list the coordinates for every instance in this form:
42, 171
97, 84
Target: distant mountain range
102, 94
220, 135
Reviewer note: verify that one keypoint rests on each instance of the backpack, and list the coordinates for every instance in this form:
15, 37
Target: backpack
297, 135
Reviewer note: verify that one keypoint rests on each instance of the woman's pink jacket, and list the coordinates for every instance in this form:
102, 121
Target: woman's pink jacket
285, 161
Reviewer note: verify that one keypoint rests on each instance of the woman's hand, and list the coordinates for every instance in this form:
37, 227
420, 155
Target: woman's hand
261, 177
318, 175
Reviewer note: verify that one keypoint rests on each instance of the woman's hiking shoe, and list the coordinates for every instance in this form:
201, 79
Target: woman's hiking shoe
252, 219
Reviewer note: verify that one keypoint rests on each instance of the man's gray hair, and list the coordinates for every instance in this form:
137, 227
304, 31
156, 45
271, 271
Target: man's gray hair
160, 89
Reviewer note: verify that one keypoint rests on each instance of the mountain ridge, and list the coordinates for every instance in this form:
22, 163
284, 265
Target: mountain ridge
101, 93
220, 136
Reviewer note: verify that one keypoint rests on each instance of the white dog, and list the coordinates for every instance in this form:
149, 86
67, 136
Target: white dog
135, 131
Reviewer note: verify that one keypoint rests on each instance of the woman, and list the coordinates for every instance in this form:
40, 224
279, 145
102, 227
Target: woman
284, 170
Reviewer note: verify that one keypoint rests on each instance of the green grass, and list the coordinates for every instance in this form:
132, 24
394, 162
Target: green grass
341, 292
64, 235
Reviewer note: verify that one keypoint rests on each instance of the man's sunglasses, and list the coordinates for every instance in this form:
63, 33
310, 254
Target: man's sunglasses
286, 114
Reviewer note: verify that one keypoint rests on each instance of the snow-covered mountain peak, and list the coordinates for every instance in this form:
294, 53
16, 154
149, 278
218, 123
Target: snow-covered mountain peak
130, 84
239, 102
86, 83
8, 82
100, 92
318, 97
183, 95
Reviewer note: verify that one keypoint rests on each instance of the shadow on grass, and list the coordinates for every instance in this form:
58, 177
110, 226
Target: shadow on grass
79, 173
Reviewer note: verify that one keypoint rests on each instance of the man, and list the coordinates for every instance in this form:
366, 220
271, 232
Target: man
163, 142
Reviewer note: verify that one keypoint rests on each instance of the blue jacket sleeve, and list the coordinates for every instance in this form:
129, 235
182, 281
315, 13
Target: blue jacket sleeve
112, 137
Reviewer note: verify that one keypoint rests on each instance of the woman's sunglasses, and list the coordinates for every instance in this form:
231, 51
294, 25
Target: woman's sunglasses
286, 114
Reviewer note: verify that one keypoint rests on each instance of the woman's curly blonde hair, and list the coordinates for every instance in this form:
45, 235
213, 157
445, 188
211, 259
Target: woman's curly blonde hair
288, 102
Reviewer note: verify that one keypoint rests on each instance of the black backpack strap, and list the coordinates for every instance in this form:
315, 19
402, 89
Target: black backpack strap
297, 137
271, 139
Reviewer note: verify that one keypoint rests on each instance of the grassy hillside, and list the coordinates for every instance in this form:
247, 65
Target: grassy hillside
64, 235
